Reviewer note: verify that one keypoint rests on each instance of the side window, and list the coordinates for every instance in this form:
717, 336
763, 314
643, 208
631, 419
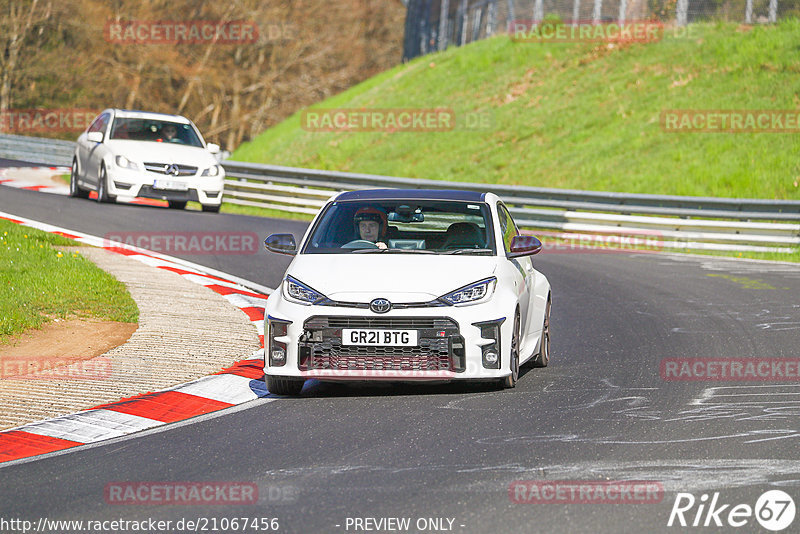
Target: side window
100, 123
507, 225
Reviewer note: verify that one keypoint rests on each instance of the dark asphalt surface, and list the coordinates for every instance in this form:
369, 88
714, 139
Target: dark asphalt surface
600, 411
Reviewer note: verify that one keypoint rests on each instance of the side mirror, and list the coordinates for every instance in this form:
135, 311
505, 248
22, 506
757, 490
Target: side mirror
94, 137
281, 243
213, 148
524, 245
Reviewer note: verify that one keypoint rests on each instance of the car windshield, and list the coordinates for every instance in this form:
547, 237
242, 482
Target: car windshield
154, 130
403, 227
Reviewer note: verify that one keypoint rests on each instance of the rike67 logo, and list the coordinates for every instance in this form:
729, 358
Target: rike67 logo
774, 510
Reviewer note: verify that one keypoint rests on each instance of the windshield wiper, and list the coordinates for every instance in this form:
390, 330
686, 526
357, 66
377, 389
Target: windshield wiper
393, 250
469, 251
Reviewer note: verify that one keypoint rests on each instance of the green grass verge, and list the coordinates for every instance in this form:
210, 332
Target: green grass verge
39, 282
576, 116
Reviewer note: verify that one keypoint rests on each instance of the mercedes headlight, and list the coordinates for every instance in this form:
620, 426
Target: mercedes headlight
297, 291
124, 163
471, 294
211, 171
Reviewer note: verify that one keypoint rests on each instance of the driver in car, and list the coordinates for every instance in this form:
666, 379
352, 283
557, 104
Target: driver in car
371, 225
169, 132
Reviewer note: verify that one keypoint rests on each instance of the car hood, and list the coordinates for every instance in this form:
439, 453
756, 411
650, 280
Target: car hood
397, 277
142, 151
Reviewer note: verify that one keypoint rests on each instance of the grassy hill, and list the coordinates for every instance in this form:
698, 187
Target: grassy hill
576, 115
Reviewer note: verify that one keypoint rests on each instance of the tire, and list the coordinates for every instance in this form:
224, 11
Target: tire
282, 385
511, 380
176, 204
74, 189
543, 358
102, 187
212, 209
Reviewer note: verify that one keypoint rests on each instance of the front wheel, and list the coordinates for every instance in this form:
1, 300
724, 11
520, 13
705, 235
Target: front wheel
102, 187
511, 380
212, 208
74, 189
283, 385
176, 204
543, 358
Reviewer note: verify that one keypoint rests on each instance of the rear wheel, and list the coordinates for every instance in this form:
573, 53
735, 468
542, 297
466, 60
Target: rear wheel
543, 358
511, 380
176, 204
102, 187
74, 189
212, 208
282, 385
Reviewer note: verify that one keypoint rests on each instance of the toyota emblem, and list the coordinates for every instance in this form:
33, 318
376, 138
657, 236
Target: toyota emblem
380, 305
173, 170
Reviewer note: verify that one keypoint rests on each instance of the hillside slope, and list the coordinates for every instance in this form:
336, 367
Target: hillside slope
576, 115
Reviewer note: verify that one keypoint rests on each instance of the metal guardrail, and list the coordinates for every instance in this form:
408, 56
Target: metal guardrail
673, 221
37, 149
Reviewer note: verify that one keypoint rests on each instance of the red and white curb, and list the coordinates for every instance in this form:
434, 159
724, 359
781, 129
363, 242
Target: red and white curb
7, 178
33, 185
240, 383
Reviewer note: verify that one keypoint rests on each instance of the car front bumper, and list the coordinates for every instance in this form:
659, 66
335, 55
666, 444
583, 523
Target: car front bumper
450, 346
207, 190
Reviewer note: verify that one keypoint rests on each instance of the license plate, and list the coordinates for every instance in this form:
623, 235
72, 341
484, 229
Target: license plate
170, 184
379, 338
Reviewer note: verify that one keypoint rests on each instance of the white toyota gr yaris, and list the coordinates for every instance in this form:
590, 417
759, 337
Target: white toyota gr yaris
407, 285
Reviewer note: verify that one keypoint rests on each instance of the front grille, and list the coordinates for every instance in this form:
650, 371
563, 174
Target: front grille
440, 345
400, 323
163, 168
427, 357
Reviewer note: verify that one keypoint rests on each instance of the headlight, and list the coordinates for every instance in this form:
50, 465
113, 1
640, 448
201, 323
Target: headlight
211, 171
299, 292
471, 294
125, 163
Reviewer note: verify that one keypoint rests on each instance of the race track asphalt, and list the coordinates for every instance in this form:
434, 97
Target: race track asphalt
601, 411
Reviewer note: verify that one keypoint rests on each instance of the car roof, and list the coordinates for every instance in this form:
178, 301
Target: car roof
413, 194
138, 114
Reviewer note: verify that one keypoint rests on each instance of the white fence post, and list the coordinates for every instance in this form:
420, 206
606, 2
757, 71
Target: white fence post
538, 12
623, 7
681, 16
576, 9
598, 11
748, 12
444, 12
773, 11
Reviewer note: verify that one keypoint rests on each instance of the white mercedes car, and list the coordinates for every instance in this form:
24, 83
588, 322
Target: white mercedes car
407, 285
149, 155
